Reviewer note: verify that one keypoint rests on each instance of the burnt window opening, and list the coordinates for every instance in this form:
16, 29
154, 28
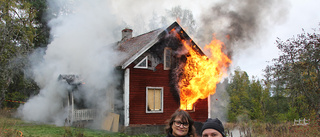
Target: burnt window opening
190, 109
154, 100
167, 58
143, 63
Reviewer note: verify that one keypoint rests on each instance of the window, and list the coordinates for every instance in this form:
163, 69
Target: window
189, 108
167, 58
143, 63
154, 100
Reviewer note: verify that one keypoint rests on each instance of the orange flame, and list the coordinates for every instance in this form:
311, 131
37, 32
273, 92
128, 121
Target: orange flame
201, 74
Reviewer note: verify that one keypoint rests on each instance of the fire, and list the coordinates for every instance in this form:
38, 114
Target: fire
201, 73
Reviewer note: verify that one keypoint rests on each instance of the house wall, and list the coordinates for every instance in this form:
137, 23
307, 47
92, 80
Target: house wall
139, 80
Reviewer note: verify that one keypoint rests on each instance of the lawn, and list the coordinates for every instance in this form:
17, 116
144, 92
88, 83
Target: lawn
15, 127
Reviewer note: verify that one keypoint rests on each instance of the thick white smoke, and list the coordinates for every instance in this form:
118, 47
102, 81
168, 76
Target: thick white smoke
82, 35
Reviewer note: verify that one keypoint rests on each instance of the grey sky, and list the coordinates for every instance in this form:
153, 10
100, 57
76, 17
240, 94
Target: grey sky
302, 15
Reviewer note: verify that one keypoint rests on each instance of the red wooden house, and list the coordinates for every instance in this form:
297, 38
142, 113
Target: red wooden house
149, 77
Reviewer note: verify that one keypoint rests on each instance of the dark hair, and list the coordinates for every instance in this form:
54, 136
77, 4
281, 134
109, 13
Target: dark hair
185, 117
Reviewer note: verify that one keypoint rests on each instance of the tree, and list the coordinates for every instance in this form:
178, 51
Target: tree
21, 30
255, 99
239, 97
295, 74
276, 105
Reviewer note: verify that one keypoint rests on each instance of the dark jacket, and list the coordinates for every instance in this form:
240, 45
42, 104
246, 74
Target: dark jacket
170, 135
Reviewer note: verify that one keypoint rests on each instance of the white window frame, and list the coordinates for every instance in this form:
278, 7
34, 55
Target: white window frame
166, 49
143, 67
154, 111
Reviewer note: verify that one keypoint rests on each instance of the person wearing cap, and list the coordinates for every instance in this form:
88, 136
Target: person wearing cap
180, 125
212, 128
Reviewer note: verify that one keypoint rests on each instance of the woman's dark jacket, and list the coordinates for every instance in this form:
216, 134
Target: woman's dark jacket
170, 135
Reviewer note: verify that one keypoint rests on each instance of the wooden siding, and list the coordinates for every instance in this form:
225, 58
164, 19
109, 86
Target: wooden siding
139, 80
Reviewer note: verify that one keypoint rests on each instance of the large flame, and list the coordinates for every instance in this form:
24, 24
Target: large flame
201, 73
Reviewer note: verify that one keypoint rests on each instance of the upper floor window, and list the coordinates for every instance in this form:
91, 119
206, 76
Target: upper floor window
143, 63
167, 58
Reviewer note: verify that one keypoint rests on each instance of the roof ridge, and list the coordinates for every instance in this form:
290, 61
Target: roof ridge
148, 32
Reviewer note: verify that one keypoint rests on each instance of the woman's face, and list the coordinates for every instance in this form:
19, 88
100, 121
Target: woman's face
179, 128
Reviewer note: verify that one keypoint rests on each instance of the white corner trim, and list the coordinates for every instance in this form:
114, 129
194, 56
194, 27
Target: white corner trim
209, 106
126, 100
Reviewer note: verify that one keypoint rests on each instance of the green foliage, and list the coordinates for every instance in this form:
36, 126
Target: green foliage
239, 97
14, 96
251, 100
276, 106
295, 74
255, 99
21, 31
292, 114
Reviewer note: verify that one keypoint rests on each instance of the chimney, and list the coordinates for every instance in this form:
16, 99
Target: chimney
126, 34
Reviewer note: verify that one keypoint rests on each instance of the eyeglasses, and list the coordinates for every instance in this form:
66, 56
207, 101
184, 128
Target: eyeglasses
179, 123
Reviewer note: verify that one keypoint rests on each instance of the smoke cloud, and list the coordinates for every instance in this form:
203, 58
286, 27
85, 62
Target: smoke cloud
241, 23
219, 102
82, 34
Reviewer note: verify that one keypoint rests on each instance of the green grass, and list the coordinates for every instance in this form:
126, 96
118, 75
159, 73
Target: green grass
15, 127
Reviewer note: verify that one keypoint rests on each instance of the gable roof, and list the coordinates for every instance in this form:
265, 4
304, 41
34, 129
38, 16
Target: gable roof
136, 46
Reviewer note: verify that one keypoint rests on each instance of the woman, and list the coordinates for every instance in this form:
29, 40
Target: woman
180, 125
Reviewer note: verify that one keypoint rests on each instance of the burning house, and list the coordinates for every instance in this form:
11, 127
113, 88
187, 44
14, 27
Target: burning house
162, 70
151, 74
